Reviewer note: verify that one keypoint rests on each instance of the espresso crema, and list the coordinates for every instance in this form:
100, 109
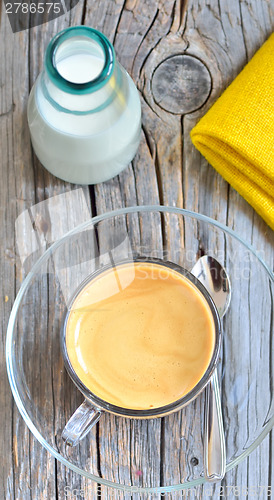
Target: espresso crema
140, 335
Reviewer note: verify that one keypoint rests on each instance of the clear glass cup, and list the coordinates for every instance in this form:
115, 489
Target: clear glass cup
88, 414
168, 444
84, 111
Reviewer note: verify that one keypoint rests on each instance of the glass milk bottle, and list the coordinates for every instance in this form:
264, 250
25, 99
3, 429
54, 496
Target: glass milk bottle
84, 110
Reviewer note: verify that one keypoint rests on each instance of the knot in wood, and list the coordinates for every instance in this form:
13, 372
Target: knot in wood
181, 84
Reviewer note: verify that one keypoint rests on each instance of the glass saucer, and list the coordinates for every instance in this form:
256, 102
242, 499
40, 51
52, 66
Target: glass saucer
162, 454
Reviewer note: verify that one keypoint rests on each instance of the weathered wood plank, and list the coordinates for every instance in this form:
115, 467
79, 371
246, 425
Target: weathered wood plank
29, 471
15, 433
208, 203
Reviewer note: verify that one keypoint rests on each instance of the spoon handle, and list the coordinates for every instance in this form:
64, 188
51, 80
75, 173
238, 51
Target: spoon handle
214, 446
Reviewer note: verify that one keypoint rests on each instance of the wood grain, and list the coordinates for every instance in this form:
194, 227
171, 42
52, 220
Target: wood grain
210, 41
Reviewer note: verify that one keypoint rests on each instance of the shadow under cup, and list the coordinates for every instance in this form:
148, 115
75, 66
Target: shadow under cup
88, 414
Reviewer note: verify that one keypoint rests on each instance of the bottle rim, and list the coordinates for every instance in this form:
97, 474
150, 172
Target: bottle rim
86, 87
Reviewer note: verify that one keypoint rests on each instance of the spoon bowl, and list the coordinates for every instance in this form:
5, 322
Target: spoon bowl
216, 280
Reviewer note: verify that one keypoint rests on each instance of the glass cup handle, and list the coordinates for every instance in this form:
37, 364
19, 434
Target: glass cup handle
80, 423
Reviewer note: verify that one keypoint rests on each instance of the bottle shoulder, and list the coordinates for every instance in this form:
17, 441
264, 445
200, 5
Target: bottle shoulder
122, 110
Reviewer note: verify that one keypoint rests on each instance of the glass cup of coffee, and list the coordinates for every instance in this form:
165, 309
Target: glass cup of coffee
140, 339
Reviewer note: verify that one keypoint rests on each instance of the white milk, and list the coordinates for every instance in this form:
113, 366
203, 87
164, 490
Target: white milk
80, 68
78, 137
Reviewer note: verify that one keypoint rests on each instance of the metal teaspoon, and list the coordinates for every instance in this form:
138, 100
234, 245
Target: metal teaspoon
215, 279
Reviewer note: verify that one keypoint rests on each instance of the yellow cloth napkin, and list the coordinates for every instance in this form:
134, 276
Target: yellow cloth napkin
236, 135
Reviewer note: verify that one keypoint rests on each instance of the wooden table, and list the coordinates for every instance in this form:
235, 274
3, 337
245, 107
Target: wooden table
212, 40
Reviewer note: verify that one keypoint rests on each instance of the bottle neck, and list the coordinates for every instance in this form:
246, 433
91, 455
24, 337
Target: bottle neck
80, 74
82, 103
